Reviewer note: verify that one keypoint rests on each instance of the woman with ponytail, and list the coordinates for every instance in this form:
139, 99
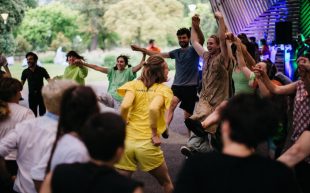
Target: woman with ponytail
143, 108
78, 104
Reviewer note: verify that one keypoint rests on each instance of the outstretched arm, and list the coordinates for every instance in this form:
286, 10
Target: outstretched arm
97, 68
196, 42
274, 89
148, 52
139, 66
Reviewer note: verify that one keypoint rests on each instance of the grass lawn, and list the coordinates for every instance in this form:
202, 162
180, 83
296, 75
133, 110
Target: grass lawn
56, 70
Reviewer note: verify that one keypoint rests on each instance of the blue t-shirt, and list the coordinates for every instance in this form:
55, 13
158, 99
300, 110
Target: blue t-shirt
186, 65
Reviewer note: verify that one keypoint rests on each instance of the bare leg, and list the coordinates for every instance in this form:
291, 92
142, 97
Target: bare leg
125, 172
214, 117
163, 178
174, 103
187, 115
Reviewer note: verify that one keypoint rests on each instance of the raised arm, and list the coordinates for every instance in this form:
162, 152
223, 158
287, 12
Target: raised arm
249, 60
139, 66
274, 89
4, 63
148, 52
221, 33
240, 58
196, 42
154, 111
97, 68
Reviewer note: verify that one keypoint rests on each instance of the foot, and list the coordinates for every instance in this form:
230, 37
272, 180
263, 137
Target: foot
195, 126
186, 151
165, 134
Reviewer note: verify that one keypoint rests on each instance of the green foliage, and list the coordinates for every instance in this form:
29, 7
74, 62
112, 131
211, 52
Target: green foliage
109, 60
140, 20
42, 24
47, 57
22, 45
61, 41
207, 21
16, 10
31, 3
93, 12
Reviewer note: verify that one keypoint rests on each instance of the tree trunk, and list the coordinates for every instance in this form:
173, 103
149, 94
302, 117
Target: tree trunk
94, 42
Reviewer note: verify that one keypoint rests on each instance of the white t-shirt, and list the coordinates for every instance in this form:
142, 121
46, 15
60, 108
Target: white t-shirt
33, 140
17, 114
69, 149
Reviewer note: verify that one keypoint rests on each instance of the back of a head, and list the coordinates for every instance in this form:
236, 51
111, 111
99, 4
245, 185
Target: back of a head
103, 134
252, 119
9, 88
153, 71
52, 93
77, 105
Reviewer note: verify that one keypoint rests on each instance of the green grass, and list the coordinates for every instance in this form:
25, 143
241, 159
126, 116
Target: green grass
57, 70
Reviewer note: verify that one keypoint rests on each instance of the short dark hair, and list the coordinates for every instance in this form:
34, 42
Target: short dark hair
252, 119
183, 31
9, 87
35, 57
103, 134
151, 41
74, 54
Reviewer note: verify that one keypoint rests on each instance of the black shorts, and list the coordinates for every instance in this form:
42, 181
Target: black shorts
187, 95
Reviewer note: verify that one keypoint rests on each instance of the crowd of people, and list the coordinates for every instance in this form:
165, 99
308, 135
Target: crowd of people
249, 125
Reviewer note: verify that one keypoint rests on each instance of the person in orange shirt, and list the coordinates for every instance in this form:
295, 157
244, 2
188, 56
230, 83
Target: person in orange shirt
152, 46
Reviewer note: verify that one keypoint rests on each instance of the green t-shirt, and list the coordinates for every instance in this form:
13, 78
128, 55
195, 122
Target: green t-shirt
76, 73
117, 78
241, 83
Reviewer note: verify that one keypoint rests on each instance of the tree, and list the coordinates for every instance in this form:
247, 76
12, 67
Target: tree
93, 12
42, 24
140, 20
16, 10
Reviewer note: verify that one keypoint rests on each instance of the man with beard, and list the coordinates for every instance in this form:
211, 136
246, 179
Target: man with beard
216, 83
185, 82
35, 74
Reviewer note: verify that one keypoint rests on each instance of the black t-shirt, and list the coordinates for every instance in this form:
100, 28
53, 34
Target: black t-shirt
219, 173
90, 178
35, 78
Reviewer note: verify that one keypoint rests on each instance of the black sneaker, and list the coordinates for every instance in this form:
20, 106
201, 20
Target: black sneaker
186, 151
196, 127
165, 134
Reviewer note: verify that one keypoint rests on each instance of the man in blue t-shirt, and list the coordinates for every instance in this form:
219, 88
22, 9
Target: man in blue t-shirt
185, 82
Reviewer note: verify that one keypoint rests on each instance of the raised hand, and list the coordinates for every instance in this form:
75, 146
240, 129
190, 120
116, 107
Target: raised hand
135, 48
195, 21
218, 15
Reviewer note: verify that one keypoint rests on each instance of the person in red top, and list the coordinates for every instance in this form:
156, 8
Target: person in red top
152, 46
